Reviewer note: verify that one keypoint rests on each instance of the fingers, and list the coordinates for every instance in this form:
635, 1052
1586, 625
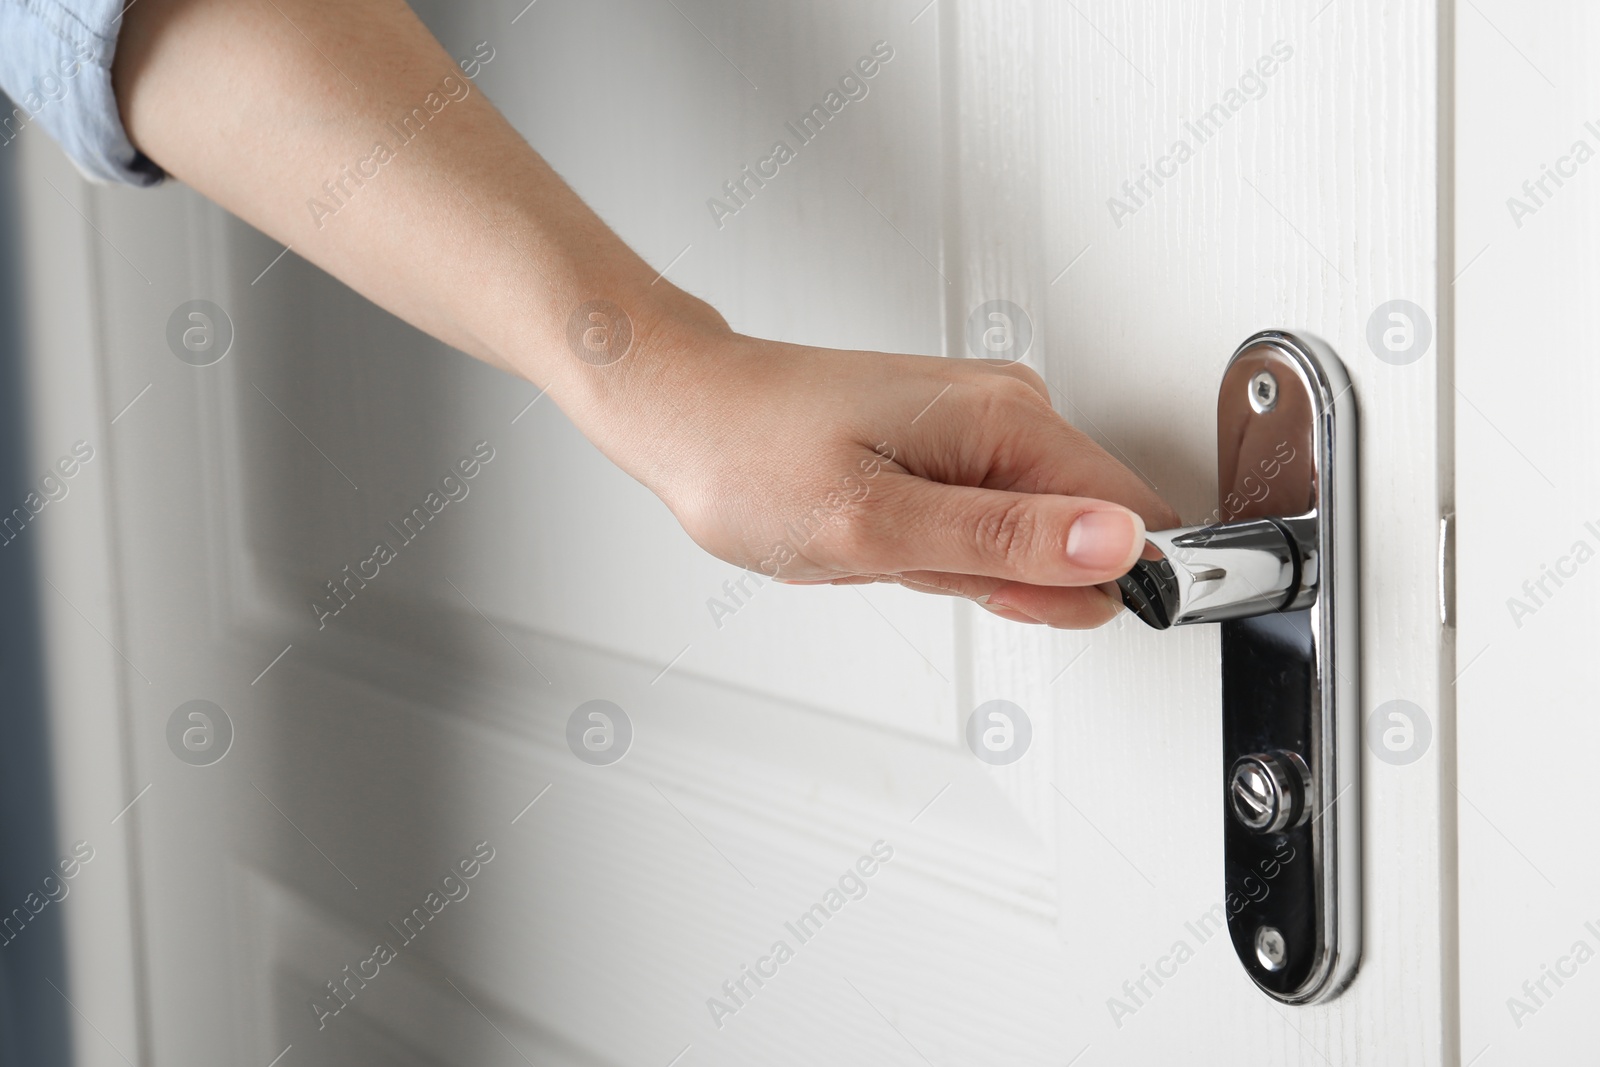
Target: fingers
1033, 538
1080, 608
1041, 452
1062, 459
1066, 609
1063, 608
994, 497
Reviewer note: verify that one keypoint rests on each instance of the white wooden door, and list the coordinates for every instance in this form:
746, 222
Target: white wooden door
415, 846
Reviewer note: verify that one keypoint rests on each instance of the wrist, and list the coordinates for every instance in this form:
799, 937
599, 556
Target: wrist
616, 357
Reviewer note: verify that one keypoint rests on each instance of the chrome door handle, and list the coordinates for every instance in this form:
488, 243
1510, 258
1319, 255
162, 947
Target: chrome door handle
1222, 571
1277, 570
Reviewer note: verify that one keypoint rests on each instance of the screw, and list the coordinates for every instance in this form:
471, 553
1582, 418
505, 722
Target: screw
1270, 948
1263, 392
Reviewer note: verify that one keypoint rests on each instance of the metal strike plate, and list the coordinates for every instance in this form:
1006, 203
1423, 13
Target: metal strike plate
1277, 571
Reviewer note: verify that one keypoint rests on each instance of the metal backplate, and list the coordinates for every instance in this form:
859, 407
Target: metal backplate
1286, 451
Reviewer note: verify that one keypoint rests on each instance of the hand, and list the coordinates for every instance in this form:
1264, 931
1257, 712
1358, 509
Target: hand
947, 475
943, 475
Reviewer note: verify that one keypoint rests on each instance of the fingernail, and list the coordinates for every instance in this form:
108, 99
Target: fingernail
1009, 614
1104, 540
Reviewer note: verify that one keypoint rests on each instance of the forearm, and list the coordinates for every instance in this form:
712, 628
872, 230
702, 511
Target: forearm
346, 131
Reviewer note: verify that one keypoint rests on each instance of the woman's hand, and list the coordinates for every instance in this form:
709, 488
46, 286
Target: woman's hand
948, 475
819, 466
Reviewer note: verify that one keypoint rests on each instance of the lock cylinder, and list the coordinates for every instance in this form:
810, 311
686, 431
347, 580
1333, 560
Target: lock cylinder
1268, 791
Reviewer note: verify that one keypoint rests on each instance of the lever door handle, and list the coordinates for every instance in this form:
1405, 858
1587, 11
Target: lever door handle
1223, 571
1277, 571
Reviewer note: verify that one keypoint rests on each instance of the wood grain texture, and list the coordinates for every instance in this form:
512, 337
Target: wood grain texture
815, 722
1306, 206
433, 708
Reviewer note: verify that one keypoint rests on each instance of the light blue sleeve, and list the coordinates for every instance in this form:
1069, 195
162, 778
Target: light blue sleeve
55, 64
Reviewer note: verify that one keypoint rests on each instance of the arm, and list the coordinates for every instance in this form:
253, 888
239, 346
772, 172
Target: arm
986, 494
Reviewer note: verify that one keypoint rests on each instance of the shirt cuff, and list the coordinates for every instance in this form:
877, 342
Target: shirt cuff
55, 64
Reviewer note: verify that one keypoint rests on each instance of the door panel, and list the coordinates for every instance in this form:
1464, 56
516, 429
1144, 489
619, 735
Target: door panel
781, 736
1307, 201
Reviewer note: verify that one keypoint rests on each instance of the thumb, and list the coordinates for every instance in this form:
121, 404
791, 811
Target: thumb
1037, 538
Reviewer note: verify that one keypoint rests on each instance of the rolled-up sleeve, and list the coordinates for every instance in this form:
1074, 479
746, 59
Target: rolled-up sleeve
55, 64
